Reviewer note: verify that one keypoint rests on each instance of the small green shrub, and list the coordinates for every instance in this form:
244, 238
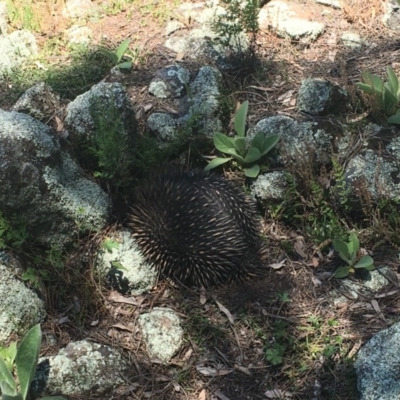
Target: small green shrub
348, 253
110, 144
246, 154
386, 95
13, 232
240, 16
18, 366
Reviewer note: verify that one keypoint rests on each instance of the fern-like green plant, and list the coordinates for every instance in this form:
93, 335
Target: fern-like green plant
237, 148
18, 366
348, 253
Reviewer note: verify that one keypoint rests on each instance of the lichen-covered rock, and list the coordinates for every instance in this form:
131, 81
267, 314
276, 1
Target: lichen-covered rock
20, 307
15, 48
101, 97
378, 366
372, 282
369, 177
162, 333
299, 140
319, 97
42, 185
280, 17
78, 8
164, 125
170, 81
391, 18
39, 101
104, 109
270, 186
124, 265
3, 18
202, 110
79, 34
352, 40
81, 368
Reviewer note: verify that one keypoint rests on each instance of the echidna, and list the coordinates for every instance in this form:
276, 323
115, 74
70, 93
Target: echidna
196, 228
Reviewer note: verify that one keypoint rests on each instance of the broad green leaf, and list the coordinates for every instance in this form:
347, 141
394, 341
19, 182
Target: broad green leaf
368, 89
393, 82
8, 354
354, 243
223, 143
27, 358
110, 55
235, 155
258, 141
125, 65
53, 398
252, 155
389, 100
342, 249
240, 119
5, 374
394, 119
364, 262
122, 49
216, 162
269, 143
240, 145
8, 392
375, 81
370, 267
253, 171
342, 272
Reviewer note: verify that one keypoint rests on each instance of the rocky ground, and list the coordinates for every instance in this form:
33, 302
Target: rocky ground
280, 337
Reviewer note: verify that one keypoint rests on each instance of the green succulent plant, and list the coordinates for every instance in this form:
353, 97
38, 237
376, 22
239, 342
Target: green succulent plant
117, 55
385, 94
15, 382
238, 148
348, 253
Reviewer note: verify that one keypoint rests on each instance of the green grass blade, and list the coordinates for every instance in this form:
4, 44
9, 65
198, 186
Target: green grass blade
27, 358
240, 119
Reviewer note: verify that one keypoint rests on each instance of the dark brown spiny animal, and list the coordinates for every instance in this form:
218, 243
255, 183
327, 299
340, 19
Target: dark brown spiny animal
196, 228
